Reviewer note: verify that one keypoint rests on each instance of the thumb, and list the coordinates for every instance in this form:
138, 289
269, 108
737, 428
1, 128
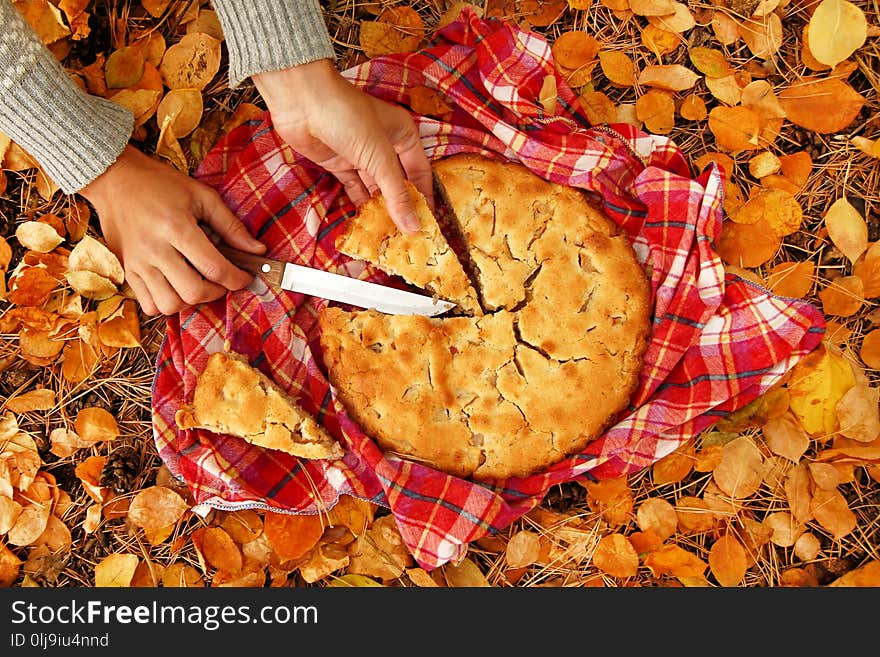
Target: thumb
229, 227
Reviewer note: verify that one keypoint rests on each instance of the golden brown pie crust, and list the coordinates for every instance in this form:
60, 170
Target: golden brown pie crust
233, 398
550, 365
423, 259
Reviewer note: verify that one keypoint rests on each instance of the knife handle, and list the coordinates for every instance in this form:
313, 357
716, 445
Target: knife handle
271, 270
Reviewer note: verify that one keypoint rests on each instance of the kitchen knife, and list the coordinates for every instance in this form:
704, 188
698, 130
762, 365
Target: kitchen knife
336, 287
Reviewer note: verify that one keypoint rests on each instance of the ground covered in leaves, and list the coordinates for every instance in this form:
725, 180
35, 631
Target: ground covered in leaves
782, 93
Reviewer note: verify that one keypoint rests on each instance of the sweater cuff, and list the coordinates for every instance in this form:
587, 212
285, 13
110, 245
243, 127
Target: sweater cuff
267, 35
74, 136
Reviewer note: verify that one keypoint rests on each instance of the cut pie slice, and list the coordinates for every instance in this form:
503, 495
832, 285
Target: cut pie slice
423, 259
235, 399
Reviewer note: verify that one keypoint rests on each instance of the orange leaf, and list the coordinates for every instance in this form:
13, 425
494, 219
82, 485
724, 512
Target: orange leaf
735, 128
786, 437
574, 49
674, 560
616, 556
739, 472
823, 105
778, 208
727, 561
747, 245
791, 279
657, 109
617, 67
398, 29
658, 516
95, 424
843, 297
292, 535
832, 512
870, 349
218, 549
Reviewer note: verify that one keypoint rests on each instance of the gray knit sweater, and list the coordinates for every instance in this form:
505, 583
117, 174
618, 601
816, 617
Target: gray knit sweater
76, 136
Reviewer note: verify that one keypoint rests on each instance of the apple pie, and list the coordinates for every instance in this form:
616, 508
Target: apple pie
231, 397
547, 362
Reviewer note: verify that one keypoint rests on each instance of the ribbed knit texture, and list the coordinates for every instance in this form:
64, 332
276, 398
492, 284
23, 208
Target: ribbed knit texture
270, 35
73, 135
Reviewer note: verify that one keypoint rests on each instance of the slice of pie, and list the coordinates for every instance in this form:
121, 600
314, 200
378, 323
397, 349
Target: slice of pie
235, 399
423, 259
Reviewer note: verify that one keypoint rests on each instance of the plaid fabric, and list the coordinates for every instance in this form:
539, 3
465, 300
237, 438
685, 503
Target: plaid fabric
717, 343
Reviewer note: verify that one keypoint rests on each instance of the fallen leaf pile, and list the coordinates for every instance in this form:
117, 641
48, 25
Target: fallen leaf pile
779, 95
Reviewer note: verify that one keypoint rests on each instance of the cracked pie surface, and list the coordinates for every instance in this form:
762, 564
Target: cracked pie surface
235, 399
540, 368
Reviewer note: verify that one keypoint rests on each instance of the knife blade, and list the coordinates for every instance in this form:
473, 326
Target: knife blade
336, 287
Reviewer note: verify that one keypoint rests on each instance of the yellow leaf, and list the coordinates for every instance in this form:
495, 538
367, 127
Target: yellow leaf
817, 384
847, 228
353, 580
116, 570
836, 30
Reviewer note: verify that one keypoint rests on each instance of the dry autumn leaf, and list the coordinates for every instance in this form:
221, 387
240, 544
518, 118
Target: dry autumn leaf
786, 437
823, 105
791, 279
869, 352
116, 569
671, 77
658, 516
617, 67
843, 297
184, 106
747, 245
38, 236
739, 472
96, 424
847, 228
656, 109
727, 561
615, 556
816, 384
858, 413
836, 30
398, 29
156, 509
192, 62
735, 128
523, 549
292, 535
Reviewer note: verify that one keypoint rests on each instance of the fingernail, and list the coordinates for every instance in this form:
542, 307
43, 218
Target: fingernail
411, 222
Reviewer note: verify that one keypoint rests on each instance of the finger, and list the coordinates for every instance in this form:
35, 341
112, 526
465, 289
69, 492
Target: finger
417, 167
167, 301
385, 168
354, 186
369, 182
195, 246
148, 306
220, 218
189, 284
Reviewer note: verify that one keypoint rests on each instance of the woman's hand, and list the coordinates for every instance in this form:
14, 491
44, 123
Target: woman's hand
150, 214
368, 144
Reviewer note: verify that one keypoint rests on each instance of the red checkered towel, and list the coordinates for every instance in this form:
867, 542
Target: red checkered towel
717, 343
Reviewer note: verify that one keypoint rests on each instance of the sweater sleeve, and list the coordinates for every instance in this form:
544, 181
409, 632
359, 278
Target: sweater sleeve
73, 135
270, 35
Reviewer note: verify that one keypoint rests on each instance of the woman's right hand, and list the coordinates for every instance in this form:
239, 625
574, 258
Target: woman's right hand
150, 214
